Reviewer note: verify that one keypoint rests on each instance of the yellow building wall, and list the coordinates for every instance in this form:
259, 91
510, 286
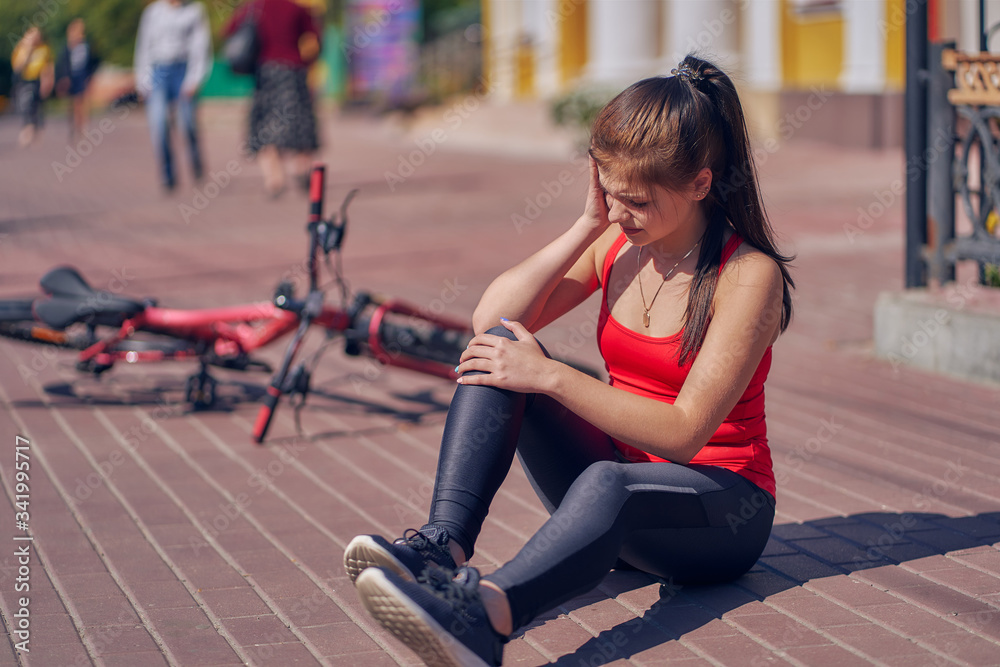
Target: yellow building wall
812, 44
895, 45
572, 39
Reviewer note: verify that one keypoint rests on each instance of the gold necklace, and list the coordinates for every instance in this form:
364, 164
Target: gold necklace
645, 310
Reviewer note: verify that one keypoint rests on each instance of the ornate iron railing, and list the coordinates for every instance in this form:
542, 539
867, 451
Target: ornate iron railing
975, 168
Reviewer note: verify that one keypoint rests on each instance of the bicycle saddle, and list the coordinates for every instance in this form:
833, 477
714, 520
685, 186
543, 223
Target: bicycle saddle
72, 300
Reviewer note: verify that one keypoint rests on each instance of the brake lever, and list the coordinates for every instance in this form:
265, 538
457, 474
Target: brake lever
338, 225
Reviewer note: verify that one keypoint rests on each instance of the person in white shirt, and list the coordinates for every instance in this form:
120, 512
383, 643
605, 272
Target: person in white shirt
173, 56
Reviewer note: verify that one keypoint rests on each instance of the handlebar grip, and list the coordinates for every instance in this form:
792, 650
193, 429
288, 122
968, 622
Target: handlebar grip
265, 413
317, 183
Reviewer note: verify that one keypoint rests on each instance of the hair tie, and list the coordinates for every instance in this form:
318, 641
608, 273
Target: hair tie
684, 71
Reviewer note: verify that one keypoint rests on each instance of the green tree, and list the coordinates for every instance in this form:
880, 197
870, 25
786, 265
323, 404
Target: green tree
111, 26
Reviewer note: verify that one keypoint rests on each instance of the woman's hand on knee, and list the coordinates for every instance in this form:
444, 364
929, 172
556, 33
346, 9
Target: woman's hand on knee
518, 365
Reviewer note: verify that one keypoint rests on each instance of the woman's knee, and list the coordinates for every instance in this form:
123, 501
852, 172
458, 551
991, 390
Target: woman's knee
500, 330
599, 483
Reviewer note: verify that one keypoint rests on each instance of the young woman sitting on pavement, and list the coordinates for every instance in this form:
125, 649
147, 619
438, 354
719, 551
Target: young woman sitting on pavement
656, 469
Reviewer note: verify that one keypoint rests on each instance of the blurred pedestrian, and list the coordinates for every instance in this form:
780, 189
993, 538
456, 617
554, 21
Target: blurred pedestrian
282, 118
74, 69
31, 61
173, 57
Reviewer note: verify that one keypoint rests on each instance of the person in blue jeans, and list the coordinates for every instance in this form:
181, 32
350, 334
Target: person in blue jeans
173, 56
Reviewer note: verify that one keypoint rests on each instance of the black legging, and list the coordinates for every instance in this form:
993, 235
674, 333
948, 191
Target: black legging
691, 523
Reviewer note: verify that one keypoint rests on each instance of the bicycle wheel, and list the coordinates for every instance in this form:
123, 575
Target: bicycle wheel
429, 343
12, 310
426, 345
17, 322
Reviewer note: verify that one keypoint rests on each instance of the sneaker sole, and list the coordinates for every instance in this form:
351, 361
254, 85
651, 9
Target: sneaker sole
413, 626
364, 552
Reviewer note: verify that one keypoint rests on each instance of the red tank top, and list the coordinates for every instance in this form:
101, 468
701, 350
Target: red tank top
647, 366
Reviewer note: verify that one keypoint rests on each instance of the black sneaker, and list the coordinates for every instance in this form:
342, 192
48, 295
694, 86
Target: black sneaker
408, 556
442, 619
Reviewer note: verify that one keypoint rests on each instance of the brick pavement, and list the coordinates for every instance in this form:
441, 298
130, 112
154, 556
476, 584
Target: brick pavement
162, 536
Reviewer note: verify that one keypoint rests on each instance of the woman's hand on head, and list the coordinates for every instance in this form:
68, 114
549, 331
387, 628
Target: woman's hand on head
595, 212
518, 365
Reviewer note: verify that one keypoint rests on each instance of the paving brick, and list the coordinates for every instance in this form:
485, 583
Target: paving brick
763, 584
56, 628
831, 550
817, 611
801, 567
931, 563
282, 654
119, 639
777, 629
339, 639
826, 654
89, 585
115, 610
983, 622
558, 636
849, 592
234, 602
150, 658
874, 641
986, 559
161, 594
721, 598
908, 620
735, 649
49, 653
604, 615
519, 652
969, 581
666, 652
256, 630
191, 637
941, 600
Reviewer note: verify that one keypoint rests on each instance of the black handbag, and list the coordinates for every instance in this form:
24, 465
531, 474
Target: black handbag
243, 47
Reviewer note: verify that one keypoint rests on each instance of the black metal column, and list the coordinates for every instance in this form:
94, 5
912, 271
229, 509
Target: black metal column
916, 142
984, 36
940, 183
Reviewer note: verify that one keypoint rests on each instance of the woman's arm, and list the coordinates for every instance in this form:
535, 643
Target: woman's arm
745, 323
553, 280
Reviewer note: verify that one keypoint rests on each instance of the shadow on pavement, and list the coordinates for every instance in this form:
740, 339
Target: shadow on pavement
796, 554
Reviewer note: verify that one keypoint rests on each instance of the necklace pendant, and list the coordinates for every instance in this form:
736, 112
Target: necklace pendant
645, 319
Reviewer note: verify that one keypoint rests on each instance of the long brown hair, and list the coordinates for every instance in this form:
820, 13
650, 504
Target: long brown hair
663, 131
